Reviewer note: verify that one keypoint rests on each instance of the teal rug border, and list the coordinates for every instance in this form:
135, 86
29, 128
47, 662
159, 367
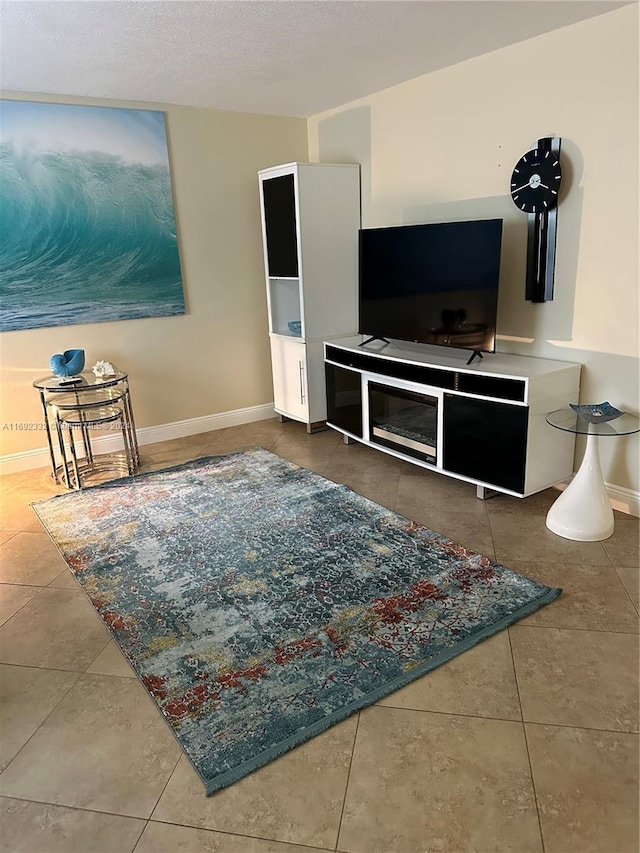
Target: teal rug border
238, 773
231, 776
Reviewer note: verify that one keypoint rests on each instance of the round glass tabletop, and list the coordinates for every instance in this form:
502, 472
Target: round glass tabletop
88, 381
569, 421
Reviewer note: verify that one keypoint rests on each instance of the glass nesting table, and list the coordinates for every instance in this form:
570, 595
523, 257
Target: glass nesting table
583, 511
74, 409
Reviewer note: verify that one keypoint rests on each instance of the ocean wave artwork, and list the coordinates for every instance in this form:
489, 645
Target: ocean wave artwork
87, 223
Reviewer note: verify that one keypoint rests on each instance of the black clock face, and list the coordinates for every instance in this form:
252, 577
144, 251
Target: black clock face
535, 181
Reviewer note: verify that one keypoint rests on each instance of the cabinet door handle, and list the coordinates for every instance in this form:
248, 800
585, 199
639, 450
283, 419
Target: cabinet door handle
302, 394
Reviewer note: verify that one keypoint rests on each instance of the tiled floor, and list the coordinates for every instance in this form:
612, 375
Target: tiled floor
526, 743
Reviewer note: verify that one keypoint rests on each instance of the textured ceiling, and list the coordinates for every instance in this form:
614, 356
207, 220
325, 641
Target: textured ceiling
297, 57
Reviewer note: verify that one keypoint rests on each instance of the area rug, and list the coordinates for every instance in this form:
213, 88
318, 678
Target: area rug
260, 603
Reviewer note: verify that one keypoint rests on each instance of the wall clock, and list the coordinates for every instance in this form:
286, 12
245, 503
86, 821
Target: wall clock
535, 185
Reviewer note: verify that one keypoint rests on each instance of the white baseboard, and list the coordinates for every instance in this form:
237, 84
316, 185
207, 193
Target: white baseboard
625, 500
26, 460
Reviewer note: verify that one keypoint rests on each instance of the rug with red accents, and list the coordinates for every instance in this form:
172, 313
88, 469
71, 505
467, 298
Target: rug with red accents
260, 603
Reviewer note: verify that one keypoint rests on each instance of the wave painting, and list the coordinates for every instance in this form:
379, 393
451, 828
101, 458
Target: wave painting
87, 226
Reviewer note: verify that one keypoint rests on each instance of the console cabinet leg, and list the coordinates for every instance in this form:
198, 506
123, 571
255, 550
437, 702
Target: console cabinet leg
348, 440
484, 493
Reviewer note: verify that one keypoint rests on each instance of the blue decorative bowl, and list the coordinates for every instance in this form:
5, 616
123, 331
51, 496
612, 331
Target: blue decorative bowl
295, 327
597, 413
69, 363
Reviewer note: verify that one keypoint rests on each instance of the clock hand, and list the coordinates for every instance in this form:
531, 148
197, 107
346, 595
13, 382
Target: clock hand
517, 189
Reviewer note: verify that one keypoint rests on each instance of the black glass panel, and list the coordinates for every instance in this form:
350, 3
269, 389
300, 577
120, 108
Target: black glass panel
397, 369
491, 386
344, 399
486, 441
280, 226
470, 383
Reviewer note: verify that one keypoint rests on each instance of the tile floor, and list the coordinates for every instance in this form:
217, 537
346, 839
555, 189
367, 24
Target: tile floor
526, 743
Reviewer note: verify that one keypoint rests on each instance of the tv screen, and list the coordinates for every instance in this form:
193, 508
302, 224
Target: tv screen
433, 284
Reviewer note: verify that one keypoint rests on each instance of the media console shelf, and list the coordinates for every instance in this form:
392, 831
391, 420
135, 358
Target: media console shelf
484, 422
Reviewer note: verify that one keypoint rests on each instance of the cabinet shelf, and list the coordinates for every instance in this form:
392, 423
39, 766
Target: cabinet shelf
285, 333
285, 304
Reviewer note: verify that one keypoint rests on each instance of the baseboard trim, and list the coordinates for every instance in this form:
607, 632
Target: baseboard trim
26, 460
624, 500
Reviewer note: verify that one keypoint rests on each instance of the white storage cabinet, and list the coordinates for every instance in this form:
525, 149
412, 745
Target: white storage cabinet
310, 220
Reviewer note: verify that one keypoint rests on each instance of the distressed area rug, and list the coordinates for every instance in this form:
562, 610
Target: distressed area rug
260, 603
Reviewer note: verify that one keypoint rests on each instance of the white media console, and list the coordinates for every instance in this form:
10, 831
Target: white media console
483, 422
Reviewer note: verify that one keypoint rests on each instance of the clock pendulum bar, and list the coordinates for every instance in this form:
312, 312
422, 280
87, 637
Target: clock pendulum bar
541, 244
541, 248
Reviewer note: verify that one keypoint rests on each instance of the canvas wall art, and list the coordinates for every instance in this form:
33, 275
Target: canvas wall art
87, 223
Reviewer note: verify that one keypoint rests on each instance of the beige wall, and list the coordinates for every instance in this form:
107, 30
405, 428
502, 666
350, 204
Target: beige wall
438, 147
444, 145
215, 358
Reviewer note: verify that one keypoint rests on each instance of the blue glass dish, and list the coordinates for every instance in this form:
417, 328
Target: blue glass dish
295, 327
597, 413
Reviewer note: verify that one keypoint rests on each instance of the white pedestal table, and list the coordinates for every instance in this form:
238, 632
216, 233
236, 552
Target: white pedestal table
583, 510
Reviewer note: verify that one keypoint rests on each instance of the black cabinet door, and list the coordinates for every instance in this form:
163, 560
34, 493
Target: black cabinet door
486, 440
280, 226
344, 398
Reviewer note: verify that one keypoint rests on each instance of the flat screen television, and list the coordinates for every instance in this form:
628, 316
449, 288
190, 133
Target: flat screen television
433, 284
